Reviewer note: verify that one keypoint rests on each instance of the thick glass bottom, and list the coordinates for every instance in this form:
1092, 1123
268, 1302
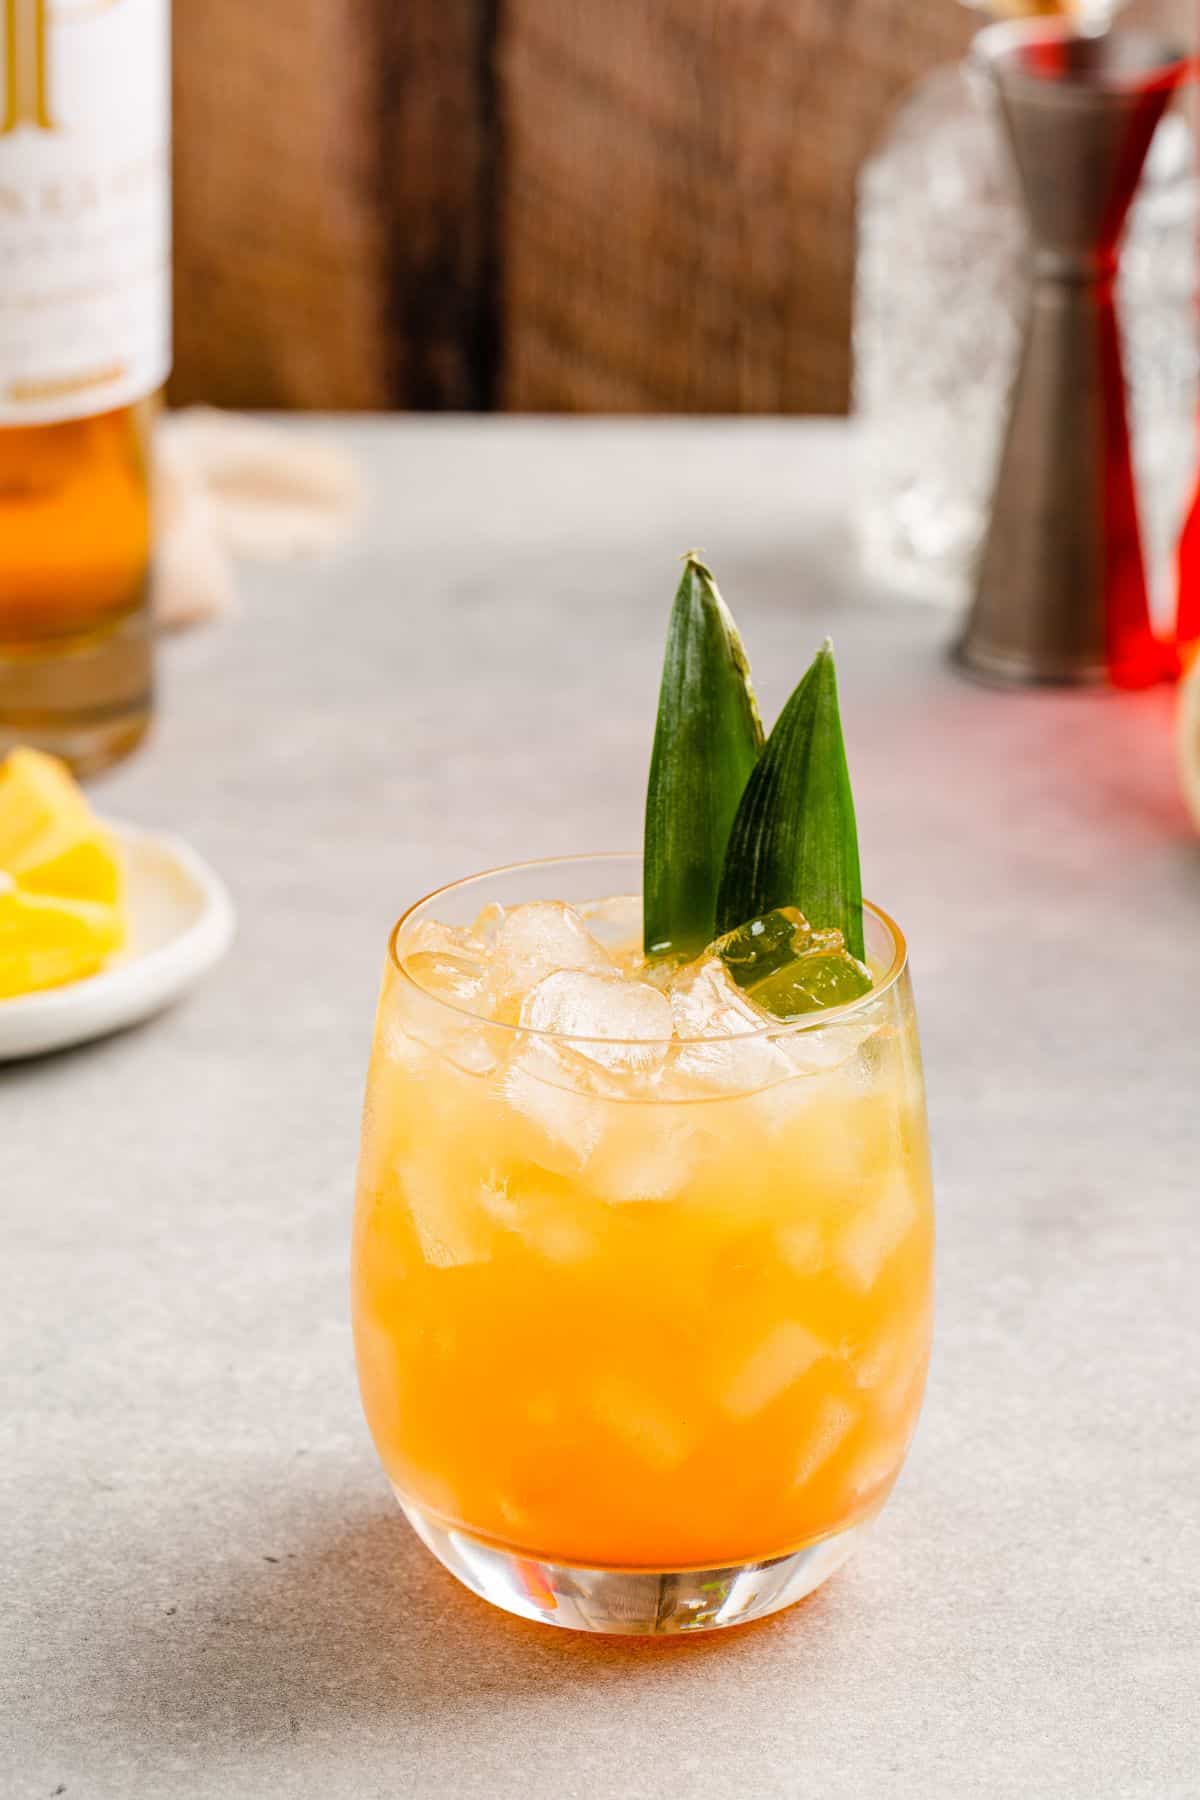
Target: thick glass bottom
999, 668
86, 699
632, 1602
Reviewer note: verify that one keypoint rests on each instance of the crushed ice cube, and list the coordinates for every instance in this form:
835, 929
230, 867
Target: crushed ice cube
498, 1203
648, 1155
536, 940
899, 1398
786, 1353
729, 1066
488, 921
449, 1226
724, 1046
558, 1237
878, 1362
821, 1048
802, 1247
617, 1022
875, 1231
706, 1003
787, 968
444, 964
617, 924
566, 1125
473, 1051
541, 1219
430, 937
833, 1421
459, 979
403, 1046
763, 945
641, 1421
876, 1467
446, 1011
891, 1367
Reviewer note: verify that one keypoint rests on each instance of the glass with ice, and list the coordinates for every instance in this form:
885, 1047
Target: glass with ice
643, 1249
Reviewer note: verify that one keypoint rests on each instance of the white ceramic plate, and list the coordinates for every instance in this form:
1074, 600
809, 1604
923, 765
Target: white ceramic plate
181, 924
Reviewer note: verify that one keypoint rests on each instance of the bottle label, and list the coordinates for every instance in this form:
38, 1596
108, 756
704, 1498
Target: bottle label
85, 220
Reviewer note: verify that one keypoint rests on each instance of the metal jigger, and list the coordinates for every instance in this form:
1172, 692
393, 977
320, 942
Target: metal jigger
1061, 591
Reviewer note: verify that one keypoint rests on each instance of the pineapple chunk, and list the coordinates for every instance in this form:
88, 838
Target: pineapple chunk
49, 841
45, 942
61, 889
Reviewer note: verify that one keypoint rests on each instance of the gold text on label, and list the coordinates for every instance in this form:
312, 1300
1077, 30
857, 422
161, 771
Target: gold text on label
26, 44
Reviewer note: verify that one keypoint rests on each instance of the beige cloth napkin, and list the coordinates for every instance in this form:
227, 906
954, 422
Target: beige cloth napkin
230, 487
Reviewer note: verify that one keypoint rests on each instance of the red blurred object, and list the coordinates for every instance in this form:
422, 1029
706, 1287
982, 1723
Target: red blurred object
1187, 605
1136, 657
1187, 619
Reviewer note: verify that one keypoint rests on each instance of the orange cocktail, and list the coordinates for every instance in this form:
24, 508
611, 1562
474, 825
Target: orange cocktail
642, 1318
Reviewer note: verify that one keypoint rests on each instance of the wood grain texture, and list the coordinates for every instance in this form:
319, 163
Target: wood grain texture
280, 235
679, 194
542, 204
436, 150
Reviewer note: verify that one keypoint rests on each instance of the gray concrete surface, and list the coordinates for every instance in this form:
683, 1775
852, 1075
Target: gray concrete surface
206, 1589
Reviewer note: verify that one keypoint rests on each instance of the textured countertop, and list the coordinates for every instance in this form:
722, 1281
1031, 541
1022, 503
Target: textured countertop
207, 1590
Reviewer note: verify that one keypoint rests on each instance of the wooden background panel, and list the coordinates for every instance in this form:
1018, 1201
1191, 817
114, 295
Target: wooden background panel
335, 218
434, 138
678, 223
542, 204
280, 234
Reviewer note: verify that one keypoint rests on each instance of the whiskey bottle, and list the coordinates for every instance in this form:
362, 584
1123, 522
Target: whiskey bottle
84, 346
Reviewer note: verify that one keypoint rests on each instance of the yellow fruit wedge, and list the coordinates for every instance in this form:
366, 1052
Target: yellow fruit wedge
76, 859
1187, 738
35, 791
61, 912
49, 841
45, 942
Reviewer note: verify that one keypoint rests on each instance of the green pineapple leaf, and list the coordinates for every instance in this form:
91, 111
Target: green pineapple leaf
706, 742
794, 841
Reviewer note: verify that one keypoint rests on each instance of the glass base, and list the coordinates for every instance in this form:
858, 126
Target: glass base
998, 669
85, 699
632, 1602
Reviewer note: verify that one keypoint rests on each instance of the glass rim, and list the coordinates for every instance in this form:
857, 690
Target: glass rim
821, 1020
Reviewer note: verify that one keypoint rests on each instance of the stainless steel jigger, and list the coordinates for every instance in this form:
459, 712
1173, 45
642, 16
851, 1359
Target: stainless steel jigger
1061, 591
